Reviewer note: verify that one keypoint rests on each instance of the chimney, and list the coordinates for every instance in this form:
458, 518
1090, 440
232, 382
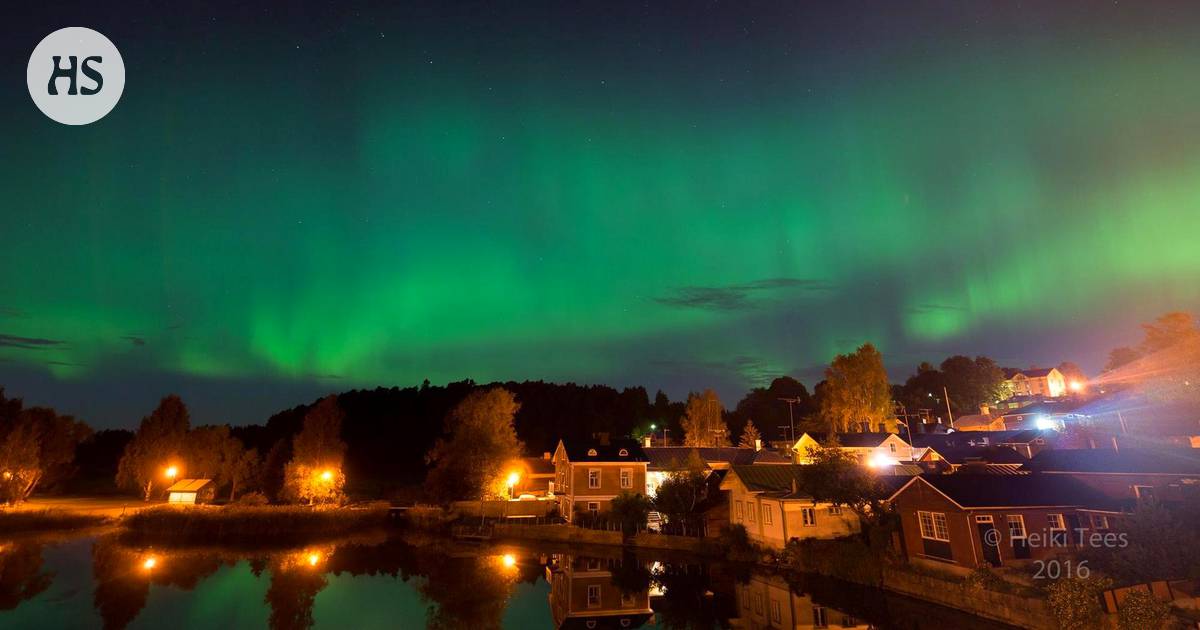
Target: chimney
602, 438
546, 455
795, 488
646, 441
757, 445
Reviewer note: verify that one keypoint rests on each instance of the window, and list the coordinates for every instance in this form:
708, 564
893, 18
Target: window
933, 526
737, 510
819, 620
835, 510
984, 518
592, 564
593, 477
623, 453
591, 452
626, 478
750, 509
594, 507
892, 446
776, 611
1016, 526
1055, 521
593, 596
767, 519
808, 516
1099, 521
1144, 493
627, 600
758, 604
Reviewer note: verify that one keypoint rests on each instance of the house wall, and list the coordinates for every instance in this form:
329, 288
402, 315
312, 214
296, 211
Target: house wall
569, 592
571, 483
965, 539
786, 518
768, 602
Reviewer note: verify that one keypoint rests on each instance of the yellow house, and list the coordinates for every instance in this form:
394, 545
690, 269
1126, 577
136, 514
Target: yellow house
873, 448
768, 601
1048, 382
767, 500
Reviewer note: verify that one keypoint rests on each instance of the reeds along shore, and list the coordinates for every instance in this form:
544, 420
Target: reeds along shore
18, 521
277, 524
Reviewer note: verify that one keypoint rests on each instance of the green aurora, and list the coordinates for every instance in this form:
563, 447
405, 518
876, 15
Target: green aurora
377, 202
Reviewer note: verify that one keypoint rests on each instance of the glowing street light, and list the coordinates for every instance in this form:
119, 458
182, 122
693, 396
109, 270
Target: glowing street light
513, 478
149, 563
1076, 386
313, 559
508, 560
327, 476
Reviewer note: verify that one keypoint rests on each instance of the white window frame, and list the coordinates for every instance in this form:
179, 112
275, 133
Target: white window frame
768, 518
593, 603
1137, 491
737, 510
808, 516
933, 525
751, 508
820, 619
835, 510
626, 477
1019, 520
596, 478
776, 611
1056, 522
594, 511
1100, 521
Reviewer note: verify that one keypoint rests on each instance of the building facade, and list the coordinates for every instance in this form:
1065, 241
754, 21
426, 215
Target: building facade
589, 475
767, 501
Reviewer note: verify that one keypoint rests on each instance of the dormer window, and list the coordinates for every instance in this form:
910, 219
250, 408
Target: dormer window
623, 453
591, 452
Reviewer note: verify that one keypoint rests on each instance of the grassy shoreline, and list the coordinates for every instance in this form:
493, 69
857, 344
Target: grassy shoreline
25, 521
248, 524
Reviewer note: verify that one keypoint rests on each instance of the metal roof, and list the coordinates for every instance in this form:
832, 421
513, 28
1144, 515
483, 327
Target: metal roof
189, 485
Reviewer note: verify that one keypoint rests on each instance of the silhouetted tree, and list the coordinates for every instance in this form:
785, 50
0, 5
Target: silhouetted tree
750, 436
481, 445
703, 421
159, 442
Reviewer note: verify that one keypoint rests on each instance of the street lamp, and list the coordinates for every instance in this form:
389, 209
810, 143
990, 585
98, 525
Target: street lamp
513, 478
327, 476
149, 563
171, 472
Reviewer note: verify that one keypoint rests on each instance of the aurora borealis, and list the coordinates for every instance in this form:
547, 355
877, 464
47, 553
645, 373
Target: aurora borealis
286, 203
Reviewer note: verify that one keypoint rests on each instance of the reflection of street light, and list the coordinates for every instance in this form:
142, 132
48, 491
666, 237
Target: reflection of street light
508, 560
313, 559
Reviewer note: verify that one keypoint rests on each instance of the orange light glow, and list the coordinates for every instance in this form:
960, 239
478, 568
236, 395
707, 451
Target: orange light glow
149, 563
313, 559
508, 560
172, 471
1076, 386
513, 478
327, 475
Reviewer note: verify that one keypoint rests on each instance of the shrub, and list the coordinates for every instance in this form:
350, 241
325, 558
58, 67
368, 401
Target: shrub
986, 579
1075, 602
252, 499
631, 511
1141, 611
735, 543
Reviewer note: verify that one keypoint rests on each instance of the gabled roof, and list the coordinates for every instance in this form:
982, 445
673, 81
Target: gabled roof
582, 451
189, 485
538, 465
959, 455
852, 440
676, 457
1180, 461
938, 441
1000, 491
1030, 373
776, 478
769, 456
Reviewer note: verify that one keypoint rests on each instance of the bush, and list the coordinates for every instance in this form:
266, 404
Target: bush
735, 543
1141, 611
1075, 602
252, 499
986, 579
252, 524
12, 521
630, 511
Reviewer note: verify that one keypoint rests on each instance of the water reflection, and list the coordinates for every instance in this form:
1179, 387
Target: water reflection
377, 581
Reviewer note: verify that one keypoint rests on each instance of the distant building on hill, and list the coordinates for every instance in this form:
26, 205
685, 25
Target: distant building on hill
1048, 382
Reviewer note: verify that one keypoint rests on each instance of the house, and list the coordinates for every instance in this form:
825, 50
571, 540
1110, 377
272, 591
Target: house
992, 460
589, 475
768, 601
583, 594
1027, 443
535, 476
875, 448
967, 521
768, 502
1036, 382
192, 491
664, 460
1128, 475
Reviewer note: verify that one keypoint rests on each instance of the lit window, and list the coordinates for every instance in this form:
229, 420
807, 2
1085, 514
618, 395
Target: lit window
626, 478
593, 477
808, 516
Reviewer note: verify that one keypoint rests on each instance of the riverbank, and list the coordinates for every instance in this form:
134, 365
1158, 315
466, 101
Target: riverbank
16, 521
250, 524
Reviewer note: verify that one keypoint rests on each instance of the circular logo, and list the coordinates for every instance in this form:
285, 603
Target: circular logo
75, 75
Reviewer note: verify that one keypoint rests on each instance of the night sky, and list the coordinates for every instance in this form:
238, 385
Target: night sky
292, 202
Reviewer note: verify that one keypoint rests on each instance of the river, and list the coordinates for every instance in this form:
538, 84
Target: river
410, 581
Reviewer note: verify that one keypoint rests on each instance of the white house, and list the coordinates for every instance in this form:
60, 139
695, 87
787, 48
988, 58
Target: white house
767, 500
191, 491
1048, 382
875, 449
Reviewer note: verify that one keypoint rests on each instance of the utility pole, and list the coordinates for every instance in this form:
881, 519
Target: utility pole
791, 420
948, 412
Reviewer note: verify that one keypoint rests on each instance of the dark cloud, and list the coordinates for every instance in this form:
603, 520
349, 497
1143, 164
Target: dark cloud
754, 370
324, 376
28, 343
137, 341
736, 297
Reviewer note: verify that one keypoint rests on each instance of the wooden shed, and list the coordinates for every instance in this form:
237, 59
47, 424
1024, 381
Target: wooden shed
192, 491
